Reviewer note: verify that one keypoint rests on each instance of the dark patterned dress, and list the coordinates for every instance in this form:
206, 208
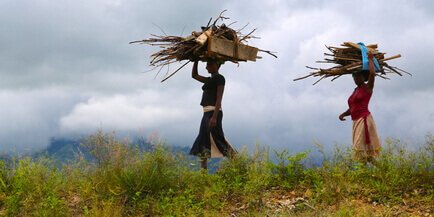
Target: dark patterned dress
211, 142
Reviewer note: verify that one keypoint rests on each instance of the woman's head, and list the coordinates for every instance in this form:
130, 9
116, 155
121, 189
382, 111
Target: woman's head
360, 77
213, 66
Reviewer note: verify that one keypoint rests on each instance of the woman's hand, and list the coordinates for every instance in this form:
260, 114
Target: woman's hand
218, 105
342, 117
213, 122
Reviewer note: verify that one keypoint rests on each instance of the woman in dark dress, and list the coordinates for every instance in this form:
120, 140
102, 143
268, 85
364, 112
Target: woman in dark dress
211, 141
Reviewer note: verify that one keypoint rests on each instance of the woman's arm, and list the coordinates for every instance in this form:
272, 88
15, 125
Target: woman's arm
343, 115
371, 79
218, 105
195, 74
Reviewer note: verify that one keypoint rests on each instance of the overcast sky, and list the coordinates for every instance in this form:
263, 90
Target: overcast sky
66, 69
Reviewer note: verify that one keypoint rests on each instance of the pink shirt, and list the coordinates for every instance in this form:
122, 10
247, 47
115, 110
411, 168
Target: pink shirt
358, 102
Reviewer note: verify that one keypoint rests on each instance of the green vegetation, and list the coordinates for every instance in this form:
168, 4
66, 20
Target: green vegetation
123, 181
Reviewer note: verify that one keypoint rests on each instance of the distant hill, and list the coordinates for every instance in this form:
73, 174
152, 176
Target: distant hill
65, 150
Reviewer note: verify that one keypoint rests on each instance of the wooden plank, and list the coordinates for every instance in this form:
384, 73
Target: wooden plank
391, 58
228, 48
354, 45
373, 46
204, 36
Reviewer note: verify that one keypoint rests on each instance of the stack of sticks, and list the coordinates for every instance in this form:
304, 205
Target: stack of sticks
348, 60
213, 42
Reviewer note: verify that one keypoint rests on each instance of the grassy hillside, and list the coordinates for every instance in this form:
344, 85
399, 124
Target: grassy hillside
123, 181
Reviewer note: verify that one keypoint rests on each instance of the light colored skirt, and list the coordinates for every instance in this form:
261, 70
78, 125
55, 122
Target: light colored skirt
366, 143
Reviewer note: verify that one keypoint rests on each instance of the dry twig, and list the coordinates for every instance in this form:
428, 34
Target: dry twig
197, 46
348, 59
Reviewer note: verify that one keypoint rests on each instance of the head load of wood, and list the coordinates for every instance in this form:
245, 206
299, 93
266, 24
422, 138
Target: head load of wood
216, 42
348, 60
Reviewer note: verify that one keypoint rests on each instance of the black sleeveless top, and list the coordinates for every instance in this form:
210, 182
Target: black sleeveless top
209, 96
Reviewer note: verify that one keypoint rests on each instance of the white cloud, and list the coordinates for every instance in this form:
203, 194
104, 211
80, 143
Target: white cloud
123, 113
28, 118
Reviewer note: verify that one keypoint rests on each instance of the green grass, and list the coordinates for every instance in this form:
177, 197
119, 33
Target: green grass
122, 181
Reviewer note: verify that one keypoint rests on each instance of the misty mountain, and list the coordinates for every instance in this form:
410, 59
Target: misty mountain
66, 150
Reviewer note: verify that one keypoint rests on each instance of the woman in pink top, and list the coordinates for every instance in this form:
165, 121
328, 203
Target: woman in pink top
366, 144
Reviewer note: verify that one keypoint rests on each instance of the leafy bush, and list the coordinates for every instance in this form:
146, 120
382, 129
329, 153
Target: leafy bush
289, 170
125, 181
35, 188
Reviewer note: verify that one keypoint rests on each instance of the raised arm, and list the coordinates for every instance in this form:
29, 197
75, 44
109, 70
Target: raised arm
218, 105
195, 74
371, 79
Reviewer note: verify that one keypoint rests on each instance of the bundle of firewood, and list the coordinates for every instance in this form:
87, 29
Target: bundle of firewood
348, 60
213, 42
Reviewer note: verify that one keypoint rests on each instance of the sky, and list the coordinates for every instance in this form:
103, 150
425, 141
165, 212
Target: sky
67, 70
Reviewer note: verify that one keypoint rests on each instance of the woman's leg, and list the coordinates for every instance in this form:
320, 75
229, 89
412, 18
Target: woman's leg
204, 163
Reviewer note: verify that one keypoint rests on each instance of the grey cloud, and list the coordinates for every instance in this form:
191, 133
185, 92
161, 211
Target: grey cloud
69, 63
72, 42
29, 117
